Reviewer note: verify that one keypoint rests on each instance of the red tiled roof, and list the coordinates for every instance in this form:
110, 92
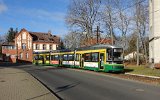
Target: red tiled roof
93, 41
44, 37
39, 37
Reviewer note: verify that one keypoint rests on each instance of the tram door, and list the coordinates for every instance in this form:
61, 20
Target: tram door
101, 61
43, 59
81, 61
60, 60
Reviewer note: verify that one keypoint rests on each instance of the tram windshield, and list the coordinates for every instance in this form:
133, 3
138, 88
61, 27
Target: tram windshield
117, 54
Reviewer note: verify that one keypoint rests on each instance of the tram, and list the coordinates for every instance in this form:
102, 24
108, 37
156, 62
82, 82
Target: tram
106, 58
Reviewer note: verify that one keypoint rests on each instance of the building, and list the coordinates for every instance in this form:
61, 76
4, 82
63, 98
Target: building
9, 52
132, 55
25, 43
154, 36
93, 41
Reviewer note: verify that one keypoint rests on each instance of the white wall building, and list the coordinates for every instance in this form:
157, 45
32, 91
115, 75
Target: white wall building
40, 47
154, 36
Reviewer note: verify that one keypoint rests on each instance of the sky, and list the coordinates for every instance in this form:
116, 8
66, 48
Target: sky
34, 15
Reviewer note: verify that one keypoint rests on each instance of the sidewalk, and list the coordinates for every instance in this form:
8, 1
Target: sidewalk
155, 77
16, 84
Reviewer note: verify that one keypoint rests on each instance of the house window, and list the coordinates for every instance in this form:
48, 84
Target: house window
21, 55
27, 55
13, 47
44, 47
50, 47
37, 46
23, 46
56, 47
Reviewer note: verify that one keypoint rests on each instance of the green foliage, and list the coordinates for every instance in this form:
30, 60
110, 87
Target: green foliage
11, 34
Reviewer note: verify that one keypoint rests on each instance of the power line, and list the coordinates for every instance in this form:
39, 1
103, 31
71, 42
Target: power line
135, 5
130, 6
142, 1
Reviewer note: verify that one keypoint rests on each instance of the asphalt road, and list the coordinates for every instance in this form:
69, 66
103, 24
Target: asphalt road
82, 85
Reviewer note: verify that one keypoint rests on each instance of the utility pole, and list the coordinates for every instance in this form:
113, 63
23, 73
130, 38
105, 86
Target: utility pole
112, 37
97, 34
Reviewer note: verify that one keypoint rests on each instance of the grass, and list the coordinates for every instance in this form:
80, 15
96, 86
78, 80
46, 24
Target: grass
142, 70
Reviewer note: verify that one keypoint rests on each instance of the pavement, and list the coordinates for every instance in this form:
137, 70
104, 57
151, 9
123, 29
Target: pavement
17, 84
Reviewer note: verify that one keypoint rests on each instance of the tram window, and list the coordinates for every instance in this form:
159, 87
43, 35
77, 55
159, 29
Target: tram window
40, 57
36, 57
47, 57
52, 57
95, 57
118, 54
77, 57
87, 57
65, 57
60, 57
70, 57
56, 57
109, 54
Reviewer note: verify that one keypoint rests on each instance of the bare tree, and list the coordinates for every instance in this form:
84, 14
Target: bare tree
141, 22
109, 18
72, 40
123, 22
83, 14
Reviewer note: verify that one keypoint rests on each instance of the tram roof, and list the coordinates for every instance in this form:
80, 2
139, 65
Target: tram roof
106, 46
98, 46
41, 52
93, 47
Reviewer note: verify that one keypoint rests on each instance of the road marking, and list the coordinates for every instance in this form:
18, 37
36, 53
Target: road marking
139, 90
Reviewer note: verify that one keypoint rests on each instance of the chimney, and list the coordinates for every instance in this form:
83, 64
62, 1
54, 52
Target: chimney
49, 33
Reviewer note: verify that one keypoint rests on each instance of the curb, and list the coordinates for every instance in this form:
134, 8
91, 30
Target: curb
155, 77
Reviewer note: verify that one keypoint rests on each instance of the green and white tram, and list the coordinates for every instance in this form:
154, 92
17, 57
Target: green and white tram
106, 58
